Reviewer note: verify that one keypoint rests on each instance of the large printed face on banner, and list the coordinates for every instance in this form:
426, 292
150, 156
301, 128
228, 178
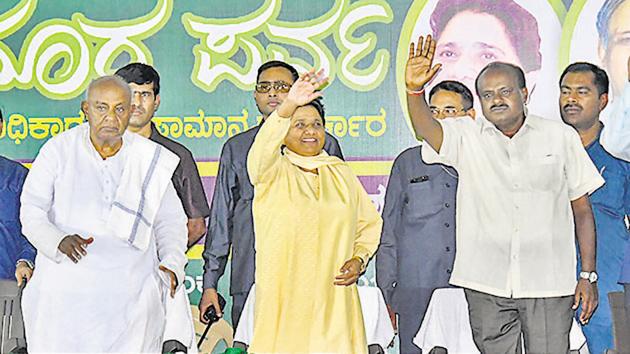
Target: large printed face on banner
598, 31
614, 43
473, 33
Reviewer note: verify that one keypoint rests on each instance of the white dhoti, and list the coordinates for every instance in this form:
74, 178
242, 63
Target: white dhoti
104, 303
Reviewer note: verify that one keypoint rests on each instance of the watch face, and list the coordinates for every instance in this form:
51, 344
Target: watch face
592, 277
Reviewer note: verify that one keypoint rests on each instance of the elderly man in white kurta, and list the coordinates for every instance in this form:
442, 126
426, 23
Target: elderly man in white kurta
110, 232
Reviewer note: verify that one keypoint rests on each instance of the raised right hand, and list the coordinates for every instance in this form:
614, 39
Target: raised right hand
74, 246
304, 89
209, 297
420, 69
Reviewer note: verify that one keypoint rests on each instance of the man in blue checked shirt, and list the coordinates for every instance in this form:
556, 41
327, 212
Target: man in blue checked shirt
583, 95
16, 253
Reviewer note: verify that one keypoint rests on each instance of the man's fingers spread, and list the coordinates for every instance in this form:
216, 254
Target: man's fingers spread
431, 49
419, 46
76, 254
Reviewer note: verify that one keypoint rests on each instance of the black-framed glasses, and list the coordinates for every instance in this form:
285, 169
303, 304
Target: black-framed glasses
279, 86
448, 111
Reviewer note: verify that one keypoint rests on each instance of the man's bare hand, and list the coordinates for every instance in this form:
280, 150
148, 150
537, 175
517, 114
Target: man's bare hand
209, 297
587, 294
23, 273
172, 277
75, 246
349, 273
420, 69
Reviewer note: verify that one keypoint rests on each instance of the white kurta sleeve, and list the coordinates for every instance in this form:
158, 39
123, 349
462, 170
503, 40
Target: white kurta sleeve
37, 201
171, 235
580, 171
453, 131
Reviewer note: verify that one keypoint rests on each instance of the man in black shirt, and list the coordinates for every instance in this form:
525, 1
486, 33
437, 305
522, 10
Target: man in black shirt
145, 88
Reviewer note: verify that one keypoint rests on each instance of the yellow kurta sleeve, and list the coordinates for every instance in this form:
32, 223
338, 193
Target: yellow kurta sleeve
264, 155
369, 224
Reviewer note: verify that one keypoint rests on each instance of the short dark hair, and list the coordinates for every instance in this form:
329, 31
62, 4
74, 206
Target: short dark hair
318, 104
518, 23
277, 64
455, 87
603, 19
499, 65
600, 78
140, 74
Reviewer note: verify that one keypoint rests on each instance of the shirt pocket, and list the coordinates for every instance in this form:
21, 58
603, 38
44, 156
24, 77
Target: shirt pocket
544, 173
421, 200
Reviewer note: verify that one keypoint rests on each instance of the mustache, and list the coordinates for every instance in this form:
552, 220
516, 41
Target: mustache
502, 105
571, 105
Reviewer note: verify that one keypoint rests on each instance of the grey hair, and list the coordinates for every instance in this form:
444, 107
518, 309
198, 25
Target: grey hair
109, 78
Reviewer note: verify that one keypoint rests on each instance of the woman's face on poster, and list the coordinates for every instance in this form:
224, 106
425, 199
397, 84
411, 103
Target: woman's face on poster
615, 56
468, 43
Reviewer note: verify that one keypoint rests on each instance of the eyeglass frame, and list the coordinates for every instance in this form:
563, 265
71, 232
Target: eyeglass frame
278, 86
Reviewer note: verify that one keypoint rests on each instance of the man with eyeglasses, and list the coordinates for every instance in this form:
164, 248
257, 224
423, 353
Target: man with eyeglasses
231, 221
417, 247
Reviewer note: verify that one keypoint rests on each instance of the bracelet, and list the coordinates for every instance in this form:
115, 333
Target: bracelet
416, 93
360, 261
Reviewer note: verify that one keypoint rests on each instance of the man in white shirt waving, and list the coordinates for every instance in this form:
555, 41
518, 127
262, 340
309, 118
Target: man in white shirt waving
522, 199
110, 231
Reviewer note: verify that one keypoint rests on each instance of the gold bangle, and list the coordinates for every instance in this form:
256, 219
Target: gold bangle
360, 261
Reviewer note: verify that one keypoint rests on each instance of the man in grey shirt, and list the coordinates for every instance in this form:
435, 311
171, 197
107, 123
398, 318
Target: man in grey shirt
418, 238
231, 221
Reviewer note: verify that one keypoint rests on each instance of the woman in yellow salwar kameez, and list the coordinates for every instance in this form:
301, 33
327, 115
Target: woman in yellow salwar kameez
316, 229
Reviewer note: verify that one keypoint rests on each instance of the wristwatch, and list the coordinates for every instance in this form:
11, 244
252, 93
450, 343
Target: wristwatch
26, 261
590, 276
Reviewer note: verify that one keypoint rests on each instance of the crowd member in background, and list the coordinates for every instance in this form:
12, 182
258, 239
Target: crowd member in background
522, 200
17, 255
144, 82
100, 208
583, 95
316, 229
231, 220
417, 246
